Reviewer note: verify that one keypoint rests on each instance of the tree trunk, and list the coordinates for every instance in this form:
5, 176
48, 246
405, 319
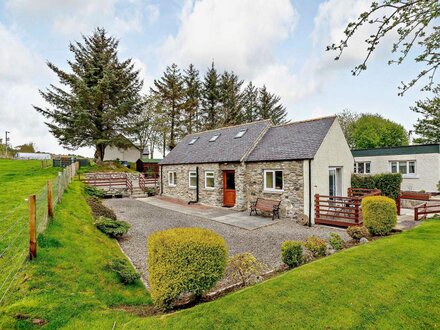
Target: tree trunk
99, 152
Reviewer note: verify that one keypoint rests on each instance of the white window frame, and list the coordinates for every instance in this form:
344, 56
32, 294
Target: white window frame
273, 189
172, 178
364, 165
213, 177
398, 162
190, 175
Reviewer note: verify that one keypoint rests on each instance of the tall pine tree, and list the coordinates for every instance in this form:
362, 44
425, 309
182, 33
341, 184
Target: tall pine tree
102, 94
192, 87
210, 99
231, 99
170, 90
269, 107
250, 103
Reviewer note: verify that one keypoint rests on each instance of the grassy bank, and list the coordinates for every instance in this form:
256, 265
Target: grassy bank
69, 280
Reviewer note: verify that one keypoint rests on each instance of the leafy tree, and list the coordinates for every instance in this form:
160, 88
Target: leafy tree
170, 89
231, 99
211, 99
250, 103
269, 107
192, 87
374, 131
347, 119
428, 127
27, 147
412, 22
101, 97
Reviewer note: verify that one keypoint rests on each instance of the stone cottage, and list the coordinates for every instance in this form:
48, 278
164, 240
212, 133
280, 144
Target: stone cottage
233, 166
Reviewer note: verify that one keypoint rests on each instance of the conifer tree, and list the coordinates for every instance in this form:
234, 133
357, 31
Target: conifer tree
170, 90
192, 86
100, 97
250, 103
269, 107
211, 99
231, 99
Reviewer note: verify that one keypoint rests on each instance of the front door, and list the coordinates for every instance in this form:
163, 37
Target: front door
228, 188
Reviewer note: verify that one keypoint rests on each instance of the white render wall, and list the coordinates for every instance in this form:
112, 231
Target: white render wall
333, 152
427, 169
129, 155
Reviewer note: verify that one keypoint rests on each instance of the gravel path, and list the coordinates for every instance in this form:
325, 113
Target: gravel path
264, 243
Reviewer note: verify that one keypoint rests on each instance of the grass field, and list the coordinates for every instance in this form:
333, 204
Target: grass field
69, 280
18, 179
390, 283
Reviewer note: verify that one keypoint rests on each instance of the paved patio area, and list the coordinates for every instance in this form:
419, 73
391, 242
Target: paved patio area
224, 215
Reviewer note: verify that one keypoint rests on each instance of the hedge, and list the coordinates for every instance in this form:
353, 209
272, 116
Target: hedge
379, 214
387, 183
184, 260
292, 253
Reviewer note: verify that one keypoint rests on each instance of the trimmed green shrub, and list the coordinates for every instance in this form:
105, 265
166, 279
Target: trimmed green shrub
93, 191
112, 228
316, 246
100, 210
125, 271
184, 260
357, 232
336, 241
387, 183
379, 214
292, 253
244, 267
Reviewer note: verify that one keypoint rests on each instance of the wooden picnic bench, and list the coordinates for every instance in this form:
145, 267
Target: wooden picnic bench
267, 205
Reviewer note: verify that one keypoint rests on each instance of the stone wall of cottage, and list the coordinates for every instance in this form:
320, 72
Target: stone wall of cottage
209, 196
249, 184
292, 196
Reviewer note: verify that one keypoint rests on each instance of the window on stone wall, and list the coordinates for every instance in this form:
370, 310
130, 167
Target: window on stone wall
273, 180
192, 179
172, 178
209, 179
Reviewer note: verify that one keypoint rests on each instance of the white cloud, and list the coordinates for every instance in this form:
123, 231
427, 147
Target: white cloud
72, 16
238, 35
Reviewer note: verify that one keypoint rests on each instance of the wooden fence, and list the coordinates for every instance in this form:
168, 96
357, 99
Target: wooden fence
420, 196
110, 181
21, 227
340, 210
421, 211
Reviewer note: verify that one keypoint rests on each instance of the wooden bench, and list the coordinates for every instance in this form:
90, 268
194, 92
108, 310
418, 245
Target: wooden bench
267, 205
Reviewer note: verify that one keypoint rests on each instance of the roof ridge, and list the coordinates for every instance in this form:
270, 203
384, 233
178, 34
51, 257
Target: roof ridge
238, 125
305, 121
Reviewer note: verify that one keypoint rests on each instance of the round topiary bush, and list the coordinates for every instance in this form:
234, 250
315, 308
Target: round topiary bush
379, 214
316, 246
292, 253
184, 260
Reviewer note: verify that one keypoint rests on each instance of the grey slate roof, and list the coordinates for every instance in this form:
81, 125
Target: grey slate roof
297, 140
225, 149
294, 141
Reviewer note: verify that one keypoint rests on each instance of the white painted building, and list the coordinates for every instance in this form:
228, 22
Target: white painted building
130, 154
418, 164
32, 155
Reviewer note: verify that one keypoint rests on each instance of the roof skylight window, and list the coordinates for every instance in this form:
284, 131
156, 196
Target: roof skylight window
241, 133
193, 140
214, 137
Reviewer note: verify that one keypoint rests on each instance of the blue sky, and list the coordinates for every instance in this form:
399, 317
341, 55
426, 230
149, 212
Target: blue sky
278, 43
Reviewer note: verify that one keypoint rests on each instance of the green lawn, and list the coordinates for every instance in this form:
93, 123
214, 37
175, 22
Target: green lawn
390, 283
69, 280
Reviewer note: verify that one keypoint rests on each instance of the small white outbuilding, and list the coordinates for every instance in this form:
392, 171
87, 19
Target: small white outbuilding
32, 155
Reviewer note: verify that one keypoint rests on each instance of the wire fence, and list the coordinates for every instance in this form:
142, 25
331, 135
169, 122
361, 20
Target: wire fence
19, 225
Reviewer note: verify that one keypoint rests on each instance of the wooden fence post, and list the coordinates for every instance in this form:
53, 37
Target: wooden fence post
356, 211
49, 200
317, 215
32, 227
60, 187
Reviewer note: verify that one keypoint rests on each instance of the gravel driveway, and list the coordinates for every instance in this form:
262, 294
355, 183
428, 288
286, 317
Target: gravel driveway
264, 243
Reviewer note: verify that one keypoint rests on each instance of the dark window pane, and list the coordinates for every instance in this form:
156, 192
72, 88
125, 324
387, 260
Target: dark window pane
279, 180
